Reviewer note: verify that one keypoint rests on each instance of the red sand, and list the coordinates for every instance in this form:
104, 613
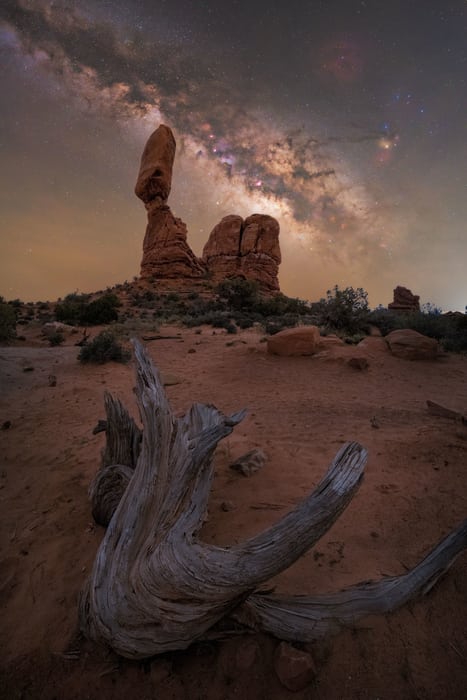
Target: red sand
300, 411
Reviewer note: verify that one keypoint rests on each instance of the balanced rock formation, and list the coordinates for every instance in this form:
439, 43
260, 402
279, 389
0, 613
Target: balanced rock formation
236, 248
166, 253
245, 248
404, 301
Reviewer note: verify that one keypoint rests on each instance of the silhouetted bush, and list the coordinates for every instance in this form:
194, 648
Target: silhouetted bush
7, 322
238, 293
104, 348
56, 339
345, 310
77, 309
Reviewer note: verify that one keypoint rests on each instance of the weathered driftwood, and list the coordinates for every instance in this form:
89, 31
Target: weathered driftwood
119, 458
156, 587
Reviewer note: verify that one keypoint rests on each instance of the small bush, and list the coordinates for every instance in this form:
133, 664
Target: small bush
7, 322
238, 293
76, 308
56, 339
345, 310
104, 348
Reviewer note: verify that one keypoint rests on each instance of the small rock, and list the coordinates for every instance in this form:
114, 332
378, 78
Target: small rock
6, 425
28, 368
52, 380
170, 380
374, 422
191, 351
226, 506
295, 668
250, 462
359, 363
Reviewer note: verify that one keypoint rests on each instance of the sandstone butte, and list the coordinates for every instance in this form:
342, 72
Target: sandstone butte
404, 301
236, 248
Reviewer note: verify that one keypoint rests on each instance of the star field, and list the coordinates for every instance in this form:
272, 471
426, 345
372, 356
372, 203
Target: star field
344, 120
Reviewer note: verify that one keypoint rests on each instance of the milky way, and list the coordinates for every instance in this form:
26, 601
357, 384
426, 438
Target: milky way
349, 146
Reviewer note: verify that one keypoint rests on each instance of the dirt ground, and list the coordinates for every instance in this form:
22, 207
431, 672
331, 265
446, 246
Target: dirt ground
300, 411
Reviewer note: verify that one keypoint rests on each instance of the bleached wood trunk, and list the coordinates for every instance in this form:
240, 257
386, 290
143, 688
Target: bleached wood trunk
156, 587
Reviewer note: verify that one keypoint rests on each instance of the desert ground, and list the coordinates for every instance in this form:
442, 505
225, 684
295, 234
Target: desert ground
300, 411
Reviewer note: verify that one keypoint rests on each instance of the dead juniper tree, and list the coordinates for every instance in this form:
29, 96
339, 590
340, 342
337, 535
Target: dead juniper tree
155, 586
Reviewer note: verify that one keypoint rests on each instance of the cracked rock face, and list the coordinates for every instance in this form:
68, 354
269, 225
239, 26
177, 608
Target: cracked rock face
245, 248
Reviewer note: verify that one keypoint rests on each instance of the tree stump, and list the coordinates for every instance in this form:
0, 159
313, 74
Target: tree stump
155, 586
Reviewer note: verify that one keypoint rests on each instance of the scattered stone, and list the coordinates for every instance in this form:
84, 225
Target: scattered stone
6, 425
28, 368
227, 506
191, 351
359, 363
52, 380
295, 668
374, 422
170, 380
404, 301
250, 462
411, 345
304, 340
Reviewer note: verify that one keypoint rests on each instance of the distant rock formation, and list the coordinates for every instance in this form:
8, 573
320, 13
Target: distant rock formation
236, 248
166, 254
404, 301
249, 249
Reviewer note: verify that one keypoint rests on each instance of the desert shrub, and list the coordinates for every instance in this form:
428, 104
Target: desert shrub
231, 328
104, 348
56, 339
101, 310
383, 319
345, 310
70, 309
244, 321
7, 322
238, 293
76, 308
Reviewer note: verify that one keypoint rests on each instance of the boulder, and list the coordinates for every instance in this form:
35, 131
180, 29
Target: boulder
294, 668
373, 345
304, 340
155, 172
411, 345
248, 249
404, 301
166, 253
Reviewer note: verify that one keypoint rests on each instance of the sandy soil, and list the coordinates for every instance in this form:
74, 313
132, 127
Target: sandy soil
300, 411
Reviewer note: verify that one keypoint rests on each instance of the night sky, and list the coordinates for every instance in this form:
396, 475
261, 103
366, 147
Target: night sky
346, 120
